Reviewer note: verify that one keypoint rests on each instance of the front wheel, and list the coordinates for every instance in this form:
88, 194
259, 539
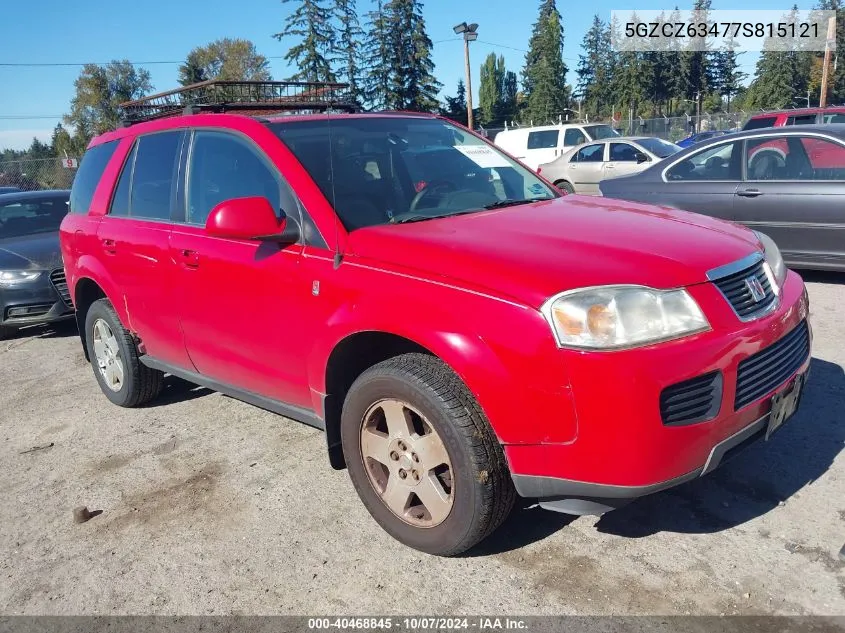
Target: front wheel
114, 356
423, 457
565, 186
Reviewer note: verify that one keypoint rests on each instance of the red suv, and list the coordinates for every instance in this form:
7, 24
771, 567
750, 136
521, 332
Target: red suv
460, 330
796, 116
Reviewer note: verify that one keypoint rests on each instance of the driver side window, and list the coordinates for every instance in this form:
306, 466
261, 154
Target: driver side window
224, 166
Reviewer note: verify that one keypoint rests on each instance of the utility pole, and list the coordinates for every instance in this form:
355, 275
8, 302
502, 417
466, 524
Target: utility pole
470, 33
828, 46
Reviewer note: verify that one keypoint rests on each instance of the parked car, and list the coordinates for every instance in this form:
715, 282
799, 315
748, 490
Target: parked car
459, 341
698, 137
580, 169
4, 190
788, 183
537, 145
32, 278
795, 116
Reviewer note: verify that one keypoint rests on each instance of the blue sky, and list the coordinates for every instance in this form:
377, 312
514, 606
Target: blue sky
57, 31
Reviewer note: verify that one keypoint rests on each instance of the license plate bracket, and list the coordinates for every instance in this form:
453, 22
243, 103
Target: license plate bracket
785, 403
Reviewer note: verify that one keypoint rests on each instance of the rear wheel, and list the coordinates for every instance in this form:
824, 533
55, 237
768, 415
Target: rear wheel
114, 356
422, 456
563, 185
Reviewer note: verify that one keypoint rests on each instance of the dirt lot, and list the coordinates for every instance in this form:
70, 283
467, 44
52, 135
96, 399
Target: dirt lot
212, 506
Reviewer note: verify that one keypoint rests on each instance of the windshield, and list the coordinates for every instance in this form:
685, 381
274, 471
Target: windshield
598, 132
659, 147
25, 217
381, 170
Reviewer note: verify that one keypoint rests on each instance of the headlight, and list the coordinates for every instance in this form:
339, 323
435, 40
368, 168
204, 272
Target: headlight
774, 259
16, 277
612, 317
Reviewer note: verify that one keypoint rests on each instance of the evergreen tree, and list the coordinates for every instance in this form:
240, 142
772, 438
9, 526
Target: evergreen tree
595, 69
349, 47
728, 76
490, 97
697, 66
455, 107
413, 82
781, 76
544, 75
675, 69
376, 60
510, 97
310, 25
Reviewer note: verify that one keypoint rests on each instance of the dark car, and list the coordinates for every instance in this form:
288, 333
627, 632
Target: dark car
786, 182
8, 190
32, 278
698, 137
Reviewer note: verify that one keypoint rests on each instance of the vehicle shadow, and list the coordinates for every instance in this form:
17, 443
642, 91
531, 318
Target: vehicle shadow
59, 329
177, 390
527, 523
758, 479
822, 276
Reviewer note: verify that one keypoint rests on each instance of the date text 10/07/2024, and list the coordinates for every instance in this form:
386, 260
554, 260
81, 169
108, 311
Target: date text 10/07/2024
418, 624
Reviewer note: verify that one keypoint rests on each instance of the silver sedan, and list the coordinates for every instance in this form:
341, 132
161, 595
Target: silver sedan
582, 168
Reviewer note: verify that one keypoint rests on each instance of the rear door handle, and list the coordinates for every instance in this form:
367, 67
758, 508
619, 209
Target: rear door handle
109, 246
189, 258
749, 193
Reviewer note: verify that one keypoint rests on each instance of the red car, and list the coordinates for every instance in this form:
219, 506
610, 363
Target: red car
461, 331
796, 116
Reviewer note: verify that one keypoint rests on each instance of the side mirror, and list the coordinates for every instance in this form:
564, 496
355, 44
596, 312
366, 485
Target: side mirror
251, 218
642, 158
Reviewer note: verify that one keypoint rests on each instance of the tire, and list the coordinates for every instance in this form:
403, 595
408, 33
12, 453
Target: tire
139, 384
434, 400
563, 185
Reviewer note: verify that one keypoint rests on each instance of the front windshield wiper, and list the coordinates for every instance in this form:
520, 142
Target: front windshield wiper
420, 218
512, 203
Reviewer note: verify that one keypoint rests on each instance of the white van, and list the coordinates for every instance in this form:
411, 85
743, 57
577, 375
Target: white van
537, 145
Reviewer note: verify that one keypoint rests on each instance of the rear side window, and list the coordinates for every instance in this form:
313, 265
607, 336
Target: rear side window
90, 171
836, 117
804, 119
543, 140
589, 154
120, 201
761, 122
154, 175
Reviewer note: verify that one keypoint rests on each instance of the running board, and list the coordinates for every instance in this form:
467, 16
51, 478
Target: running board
287, 410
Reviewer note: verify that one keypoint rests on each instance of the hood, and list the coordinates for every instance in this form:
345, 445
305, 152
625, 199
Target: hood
534, 251
40, 250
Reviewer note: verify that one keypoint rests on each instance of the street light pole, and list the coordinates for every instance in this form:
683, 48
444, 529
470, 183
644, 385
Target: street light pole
470, 34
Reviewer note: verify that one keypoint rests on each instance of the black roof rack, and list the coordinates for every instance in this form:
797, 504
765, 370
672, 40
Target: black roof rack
253, 97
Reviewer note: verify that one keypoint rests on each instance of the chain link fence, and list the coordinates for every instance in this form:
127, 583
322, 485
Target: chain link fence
669, 128
39, 173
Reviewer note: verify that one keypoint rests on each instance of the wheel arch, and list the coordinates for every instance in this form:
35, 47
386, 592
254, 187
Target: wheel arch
356, 352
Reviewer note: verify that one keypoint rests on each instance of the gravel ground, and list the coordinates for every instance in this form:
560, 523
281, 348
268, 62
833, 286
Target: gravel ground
211, 506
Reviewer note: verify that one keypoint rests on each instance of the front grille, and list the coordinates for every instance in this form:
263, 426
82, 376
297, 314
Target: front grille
57, 277
763, 372
692, 401
735, 288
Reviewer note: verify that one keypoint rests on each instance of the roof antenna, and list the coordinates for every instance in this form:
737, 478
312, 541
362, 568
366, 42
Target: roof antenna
338, 256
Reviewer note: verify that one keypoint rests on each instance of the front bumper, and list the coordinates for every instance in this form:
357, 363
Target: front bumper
37, 302
622, 448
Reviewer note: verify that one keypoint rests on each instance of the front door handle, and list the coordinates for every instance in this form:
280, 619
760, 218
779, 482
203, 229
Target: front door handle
190, 259
749, 193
